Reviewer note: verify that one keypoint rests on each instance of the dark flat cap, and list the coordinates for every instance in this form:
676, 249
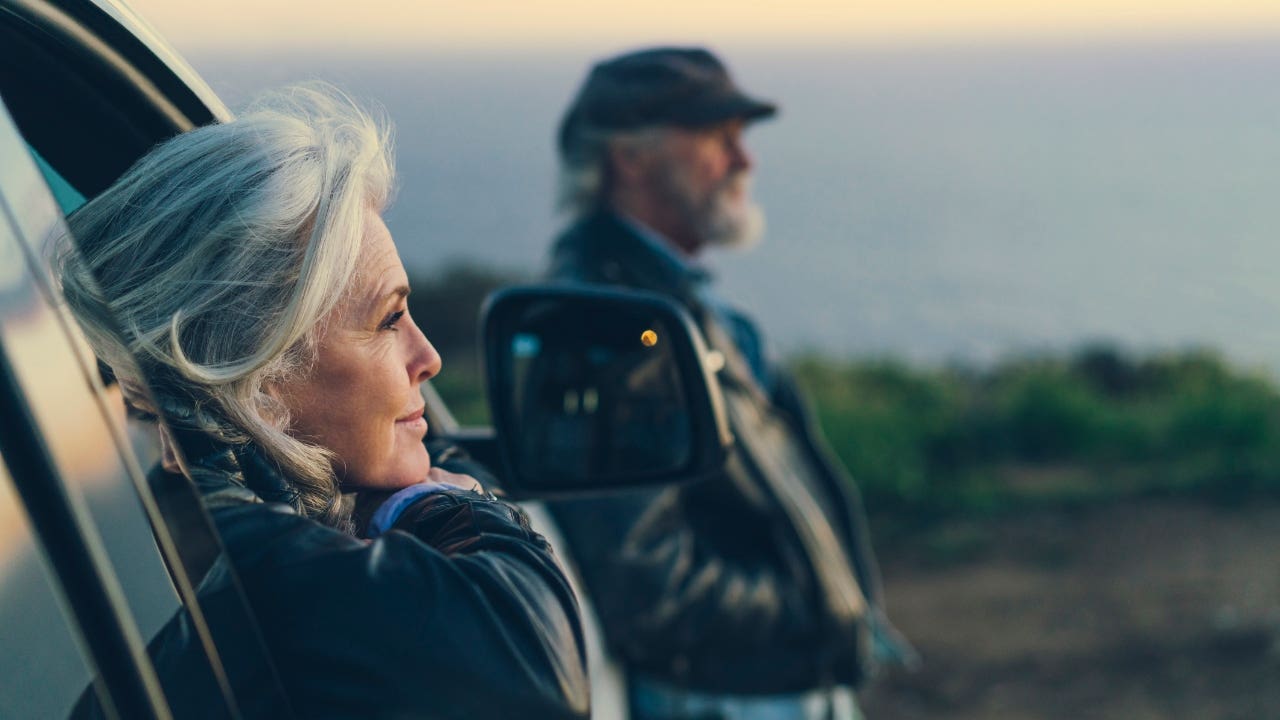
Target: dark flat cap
684, 87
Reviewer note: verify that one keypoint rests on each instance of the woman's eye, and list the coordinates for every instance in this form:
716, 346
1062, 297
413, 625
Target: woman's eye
392, 319
133, 412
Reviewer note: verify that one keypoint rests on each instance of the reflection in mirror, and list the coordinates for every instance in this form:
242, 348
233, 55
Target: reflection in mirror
596, 394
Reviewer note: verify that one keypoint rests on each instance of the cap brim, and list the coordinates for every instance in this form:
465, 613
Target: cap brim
753, 110
697, 113
733, 107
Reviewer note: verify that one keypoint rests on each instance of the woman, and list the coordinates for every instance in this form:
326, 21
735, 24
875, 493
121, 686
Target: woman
259, 296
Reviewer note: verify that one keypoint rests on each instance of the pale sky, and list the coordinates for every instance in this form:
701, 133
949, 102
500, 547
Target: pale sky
523, 24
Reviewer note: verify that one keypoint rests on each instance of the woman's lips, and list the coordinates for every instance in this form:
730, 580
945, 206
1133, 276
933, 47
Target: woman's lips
414, 420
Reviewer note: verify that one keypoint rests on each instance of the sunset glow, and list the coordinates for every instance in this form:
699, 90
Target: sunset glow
518, 24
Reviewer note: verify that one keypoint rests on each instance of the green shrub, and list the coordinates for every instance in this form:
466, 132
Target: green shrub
446, 305
1091, 426
1094, 425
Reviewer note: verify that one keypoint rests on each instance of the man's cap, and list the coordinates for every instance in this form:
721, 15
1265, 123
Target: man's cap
684, 87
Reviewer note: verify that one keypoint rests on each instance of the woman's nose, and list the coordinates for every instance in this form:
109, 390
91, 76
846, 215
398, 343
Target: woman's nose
424, 361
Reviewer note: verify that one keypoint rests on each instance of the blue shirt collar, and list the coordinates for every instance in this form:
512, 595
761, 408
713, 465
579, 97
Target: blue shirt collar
678, 264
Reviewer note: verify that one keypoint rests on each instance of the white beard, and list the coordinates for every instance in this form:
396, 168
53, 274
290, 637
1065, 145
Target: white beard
738, 227
727, 218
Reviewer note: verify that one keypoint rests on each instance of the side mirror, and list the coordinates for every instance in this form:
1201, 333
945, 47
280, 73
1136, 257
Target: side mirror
594, 390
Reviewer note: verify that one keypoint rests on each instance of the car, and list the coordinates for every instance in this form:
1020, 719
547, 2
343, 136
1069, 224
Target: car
96, 554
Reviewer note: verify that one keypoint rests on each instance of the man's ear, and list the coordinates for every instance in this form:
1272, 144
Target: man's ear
628, 162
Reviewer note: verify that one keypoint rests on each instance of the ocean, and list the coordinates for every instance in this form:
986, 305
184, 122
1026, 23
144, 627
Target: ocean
942, 204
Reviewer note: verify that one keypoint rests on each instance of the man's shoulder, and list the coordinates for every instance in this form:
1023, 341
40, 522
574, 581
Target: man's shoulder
574, 251
593, 249
602, 249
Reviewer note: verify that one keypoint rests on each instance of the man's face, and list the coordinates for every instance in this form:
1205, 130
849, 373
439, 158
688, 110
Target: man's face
702, 176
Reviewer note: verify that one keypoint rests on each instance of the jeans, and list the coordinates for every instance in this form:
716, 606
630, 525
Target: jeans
652, 700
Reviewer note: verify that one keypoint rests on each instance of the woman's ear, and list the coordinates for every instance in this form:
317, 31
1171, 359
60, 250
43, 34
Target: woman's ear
170, 459
273, 404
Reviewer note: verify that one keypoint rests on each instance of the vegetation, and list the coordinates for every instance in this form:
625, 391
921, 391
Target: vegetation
1032, 431
447, 308
1049, 430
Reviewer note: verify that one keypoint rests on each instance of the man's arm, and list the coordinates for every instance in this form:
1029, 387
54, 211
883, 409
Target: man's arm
678, 570
889, 645
788, 398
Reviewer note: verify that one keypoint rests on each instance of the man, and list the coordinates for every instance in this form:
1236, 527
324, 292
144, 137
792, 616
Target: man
755, 592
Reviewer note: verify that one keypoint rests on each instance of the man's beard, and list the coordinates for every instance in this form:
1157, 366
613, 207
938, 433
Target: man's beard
724, 222
726, 217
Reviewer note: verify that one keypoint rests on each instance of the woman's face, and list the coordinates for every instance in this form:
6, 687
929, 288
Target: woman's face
362, 399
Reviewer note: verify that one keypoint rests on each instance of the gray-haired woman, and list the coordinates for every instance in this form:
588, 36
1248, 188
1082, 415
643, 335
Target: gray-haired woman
243, 273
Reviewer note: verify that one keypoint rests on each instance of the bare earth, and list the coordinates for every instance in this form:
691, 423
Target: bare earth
1151, 609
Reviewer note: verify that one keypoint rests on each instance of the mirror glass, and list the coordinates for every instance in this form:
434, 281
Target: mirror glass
595, 394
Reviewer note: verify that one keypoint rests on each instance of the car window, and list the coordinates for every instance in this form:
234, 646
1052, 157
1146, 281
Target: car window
85, 93
67, 197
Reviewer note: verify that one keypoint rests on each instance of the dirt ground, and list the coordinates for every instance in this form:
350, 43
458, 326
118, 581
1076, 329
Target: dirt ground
1151, 609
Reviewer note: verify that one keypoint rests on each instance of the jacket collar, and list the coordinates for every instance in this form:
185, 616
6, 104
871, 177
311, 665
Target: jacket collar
630, 253
664, 251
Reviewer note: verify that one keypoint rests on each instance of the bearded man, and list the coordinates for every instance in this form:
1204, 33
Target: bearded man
754, 594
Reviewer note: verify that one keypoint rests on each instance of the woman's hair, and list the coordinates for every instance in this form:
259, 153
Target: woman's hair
214, 261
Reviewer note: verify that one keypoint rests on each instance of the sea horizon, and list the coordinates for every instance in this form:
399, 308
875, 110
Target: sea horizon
941, 204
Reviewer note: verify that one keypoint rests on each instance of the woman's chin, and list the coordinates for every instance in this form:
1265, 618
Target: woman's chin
420, 464
411, 468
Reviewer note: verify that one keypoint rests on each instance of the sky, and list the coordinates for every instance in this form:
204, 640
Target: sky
954, 201
578, 24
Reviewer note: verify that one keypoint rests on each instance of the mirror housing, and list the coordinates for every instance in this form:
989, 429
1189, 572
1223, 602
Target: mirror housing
596, 389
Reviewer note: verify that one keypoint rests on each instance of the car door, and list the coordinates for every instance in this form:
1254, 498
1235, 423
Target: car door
80, 534
98, 563
91, 88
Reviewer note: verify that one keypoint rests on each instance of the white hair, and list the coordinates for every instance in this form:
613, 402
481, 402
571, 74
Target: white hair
586, 185
218, 256
585, 176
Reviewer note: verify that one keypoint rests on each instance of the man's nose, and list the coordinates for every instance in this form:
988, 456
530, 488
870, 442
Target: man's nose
740, 159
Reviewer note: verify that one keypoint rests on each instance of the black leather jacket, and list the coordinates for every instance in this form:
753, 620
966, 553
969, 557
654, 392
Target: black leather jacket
463, 613
760, 581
